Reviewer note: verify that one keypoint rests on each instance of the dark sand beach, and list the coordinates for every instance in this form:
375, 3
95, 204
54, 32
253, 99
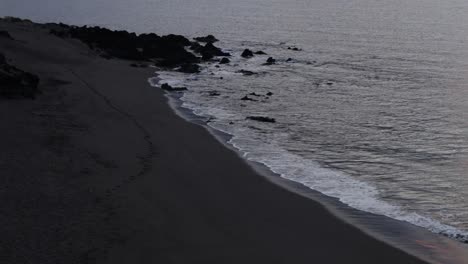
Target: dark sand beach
99, 169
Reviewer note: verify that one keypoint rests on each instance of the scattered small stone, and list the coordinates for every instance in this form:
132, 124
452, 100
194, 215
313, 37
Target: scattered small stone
269, 94
247, 54
262, 119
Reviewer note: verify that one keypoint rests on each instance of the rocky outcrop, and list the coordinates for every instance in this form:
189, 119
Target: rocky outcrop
247, 54
207, 39
167, 51
16, 83
262, 119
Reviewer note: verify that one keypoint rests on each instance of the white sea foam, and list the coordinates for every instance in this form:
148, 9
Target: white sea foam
350, 191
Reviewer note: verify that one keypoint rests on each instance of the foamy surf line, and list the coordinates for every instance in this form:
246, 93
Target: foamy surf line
356, 194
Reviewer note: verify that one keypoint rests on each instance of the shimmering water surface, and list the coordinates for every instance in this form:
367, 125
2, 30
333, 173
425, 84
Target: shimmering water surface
372, 109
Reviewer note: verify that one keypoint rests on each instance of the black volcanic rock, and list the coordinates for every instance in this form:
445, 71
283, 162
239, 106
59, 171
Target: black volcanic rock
247, 53
260, 52
246, 98
195, 46
270, 61
169, 51
224, 61
211, 50
189, 68
247, 73
207, 39
169, 88
16, 83
262, 119
5, 34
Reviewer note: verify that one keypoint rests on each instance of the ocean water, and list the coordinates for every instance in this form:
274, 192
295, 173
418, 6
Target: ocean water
372, 109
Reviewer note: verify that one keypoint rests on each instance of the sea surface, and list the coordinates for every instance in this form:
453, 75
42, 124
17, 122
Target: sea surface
372, 108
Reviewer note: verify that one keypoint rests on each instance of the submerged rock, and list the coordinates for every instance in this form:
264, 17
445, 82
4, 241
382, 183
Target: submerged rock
262, 119
270, 61
207, 39
214, 93
260, 52
246, 98
269, 94
247, 73
169, 88
247, 54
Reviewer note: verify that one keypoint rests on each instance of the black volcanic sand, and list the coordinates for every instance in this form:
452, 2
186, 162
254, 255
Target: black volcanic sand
98, 169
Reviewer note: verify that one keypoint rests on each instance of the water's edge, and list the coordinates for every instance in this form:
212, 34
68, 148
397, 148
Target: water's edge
412, 239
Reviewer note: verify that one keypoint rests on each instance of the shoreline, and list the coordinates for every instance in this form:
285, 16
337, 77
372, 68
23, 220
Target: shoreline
156, 188
415, 240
